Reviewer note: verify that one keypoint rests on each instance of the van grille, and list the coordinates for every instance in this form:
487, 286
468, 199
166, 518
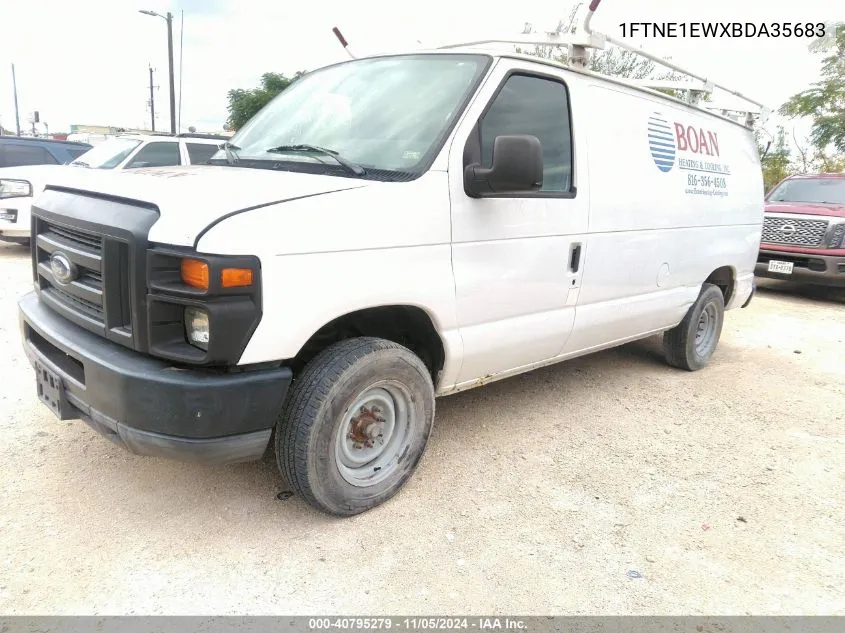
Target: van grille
794, 232
77, 237
85, 298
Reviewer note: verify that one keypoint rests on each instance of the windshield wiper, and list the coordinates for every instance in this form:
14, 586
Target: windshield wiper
354, 168
231, 157
80, 163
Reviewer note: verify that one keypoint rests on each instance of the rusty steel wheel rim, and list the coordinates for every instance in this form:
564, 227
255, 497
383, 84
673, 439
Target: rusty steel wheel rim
705, 331
373, 434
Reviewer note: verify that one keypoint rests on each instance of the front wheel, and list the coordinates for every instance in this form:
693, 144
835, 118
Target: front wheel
355, 425
691, 343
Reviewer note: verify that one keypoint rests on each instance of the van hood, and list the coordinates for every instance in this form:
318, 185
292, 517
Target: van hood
189, 198
807, 208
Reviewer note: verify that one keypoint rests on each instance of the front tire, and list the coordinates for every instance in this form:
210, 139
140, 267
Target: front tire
691, 343
355, 425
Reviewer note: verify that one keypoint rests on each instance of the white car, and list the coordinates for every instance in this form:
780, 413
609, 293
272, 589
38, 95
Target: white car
387, 230
18, 185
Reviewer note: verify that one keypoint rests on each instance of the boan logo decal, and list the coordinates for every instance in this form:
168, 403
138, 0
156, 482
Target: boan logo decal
661, 142
666, 140
693, 149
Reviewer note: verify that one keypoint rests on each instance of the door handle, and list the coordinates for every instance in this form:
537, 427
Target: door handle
575, 257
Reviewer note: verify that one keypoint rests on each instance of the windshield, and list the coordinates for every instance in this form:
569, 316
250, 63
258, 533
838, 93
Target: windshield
388, 113
108, 154
819, 190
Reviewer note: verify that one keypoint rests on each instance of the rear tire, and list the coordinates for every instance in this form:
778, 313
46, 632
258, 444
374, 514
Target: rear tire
355, 425
692, 342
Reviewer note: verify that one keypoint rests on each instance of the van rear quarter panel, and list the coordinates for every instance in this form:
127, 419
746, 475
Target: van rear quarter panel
675, 194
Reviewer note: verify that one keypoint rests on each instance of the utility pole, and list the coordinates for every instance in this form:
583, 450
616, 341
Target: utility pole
15, 91
169, 20
152, 101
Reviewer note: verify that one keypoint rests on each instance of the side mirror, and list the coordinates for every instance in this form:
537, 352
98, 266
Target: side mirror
517, 167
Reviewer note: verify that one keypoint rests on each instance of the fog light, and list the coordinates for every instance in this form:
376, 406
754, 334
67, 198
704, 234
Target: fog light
196, 327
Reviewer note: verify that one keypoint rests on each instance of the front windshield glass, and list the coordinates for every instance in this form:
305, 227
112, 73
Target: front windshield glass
108, 154
388, 113
818, 190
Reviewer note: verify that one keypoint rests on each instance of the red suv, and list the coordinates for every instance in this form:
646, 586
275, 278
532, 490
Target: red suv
804, 231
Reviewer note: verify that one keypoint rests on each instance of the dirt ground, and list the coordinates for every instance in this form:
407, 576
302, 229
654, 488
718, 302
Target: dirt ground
611, 484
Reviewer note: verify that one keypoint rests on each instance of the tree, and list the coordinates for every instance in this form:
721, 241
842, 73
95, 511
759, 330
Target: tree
244, 104
828, 164
620, 62
827, 41
775, 159
803, 163
824, 101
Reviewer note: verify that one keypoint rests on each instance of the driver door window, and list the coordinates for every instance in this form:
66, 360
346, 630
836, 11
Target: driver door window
536, 106
158, 154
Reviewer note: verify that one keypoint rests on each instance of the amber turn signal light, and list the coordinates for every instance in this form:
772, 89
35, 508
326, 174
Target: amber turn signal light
235, 277
195, 273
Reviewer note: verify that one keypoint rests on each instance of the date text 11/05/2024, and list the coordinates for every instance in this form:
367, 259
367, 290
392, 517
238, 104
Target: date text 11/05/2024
417, 624
723, 29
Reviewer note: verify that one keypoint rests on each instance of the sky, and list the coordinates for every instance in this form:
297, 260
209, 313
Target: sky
86, 61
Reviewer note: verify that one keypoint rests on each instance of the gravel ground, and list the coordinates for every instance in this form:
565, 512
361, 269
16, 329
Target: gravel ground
609, 484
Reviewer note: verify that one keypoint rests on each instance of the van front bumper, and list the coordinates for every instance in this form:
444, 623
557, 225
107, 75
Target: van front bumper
146, 405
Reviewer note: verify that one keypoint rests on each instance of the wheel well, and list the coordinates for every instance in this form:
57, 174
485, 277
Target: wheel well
407, 325
723, 278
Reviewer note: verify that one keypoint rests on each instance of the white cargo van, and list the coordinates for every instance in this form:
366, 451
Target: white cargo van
387, 230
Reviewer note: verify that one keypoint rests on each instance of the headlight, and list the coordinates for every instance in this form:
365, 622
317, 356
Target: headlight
196, 327
14, 188
201, 308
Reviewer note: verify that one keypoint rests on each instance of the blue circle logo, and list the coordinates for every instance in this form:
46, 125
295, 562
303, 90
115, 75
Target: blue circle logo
661, 142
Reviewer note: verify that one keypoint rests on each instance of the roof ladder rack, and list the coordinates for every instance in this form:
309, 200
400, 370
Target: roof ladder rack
586, 40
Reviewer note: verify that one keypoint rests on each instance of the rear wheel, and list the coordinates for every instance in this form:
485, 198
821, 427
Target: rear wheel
355, 425
692, 342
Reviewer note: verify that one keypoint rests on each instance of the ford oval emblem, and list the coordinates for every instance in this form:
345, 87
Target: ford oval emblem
64, 271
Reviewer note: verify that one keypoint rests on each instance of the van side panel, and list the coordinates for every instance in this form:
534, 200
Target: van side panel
515, 287
675, 195
325, 256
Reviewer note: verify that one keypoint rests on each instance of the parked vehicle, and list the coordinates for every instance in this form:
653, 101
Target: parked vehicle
88, 137
26, 153
132, 151
804, 231
31, 150
385, 231
18, 185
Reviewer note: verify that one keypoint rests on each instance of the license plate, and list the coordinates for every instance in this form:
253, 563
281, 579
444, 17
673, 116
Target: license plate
10, 215
784, 268
51, 391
